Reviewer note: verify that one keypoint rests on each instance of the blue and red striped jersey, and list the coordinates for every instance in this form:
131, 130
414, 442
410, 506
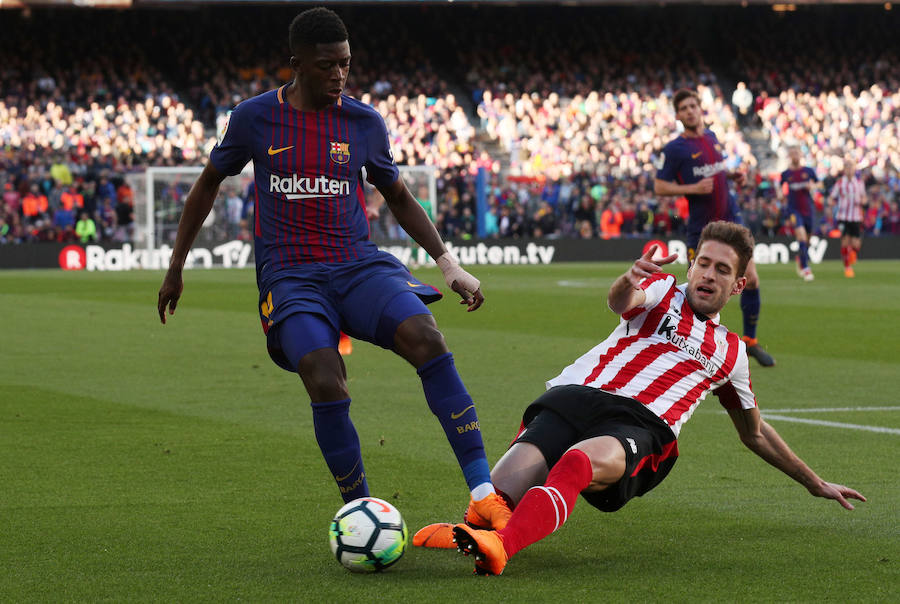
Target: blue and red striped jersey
799, 196
688, 160
309, 201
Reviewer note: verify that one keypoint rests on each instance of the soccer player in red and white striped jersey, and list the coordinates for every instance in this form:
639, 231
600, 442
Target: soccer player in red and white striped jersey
607, 426
850, 193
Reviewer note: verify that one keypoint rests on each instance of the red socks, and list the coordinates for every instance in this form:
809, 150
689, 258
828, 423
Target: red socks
544, 509
845, 255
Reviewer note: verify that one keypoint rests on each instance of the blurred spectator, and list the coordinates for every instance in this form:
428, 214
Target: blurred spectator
85, 228
742, 99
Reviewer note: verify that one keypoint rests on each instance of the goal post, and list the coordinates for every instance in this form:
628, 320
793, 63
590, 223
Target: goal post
422, 183
160, 193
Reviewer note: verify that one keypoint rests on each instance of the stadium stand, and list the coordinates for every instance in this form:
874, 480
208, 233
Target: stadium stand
566, 114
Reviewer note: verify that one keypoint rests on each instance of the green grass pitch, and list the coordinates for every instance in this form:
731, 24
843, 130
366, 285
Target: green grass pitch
141, 462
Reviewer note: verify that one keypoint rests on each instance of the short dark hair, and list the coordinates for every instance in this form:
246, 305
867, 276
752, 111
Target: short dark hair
735, 236
684, 93
315, 26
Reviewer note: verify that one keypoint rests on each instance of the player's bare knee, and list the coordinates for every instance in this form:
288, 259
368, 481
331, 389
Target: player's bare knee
324, 381
325, 387
418, 340
607, 456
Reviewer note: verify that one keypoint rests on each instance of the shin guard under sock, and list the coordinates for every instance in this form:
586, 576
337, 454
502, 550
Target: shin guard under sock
339, 444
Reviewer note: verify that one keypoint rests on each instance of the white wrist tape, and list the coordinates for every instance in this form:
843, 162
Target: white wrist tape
452, 271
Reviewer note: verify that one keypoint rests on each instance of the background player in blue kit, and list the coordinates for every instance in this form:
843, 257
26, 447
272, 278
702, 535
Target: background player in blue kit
317, 271
800, 181
693, 165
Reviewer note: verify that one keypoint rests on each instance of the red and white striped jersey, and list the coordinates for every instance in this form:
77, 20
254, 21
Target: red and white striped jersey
667, 358
849, 193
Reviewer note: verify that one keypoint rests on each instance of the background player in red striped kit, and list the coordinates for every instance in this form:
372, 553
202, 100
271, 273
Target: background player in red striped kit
607, 427
318, 272
693, 165
850, 194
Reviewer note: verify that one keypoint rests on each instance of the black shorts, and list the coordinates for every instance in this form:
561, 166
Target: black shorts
850, 228
566, 415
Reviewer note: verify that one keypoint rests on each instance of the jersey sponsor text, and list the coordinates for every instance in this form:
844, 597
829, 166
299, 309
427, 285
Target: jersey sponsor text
304, 187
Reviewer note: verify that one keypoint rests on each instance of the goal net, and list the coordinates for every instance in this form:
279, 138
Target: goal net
160, 194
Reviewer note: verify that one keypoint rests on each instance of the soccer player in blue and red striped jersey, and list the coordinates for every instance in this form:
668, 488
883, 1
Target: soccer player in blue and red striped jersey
317, 271
693, 165
800, 181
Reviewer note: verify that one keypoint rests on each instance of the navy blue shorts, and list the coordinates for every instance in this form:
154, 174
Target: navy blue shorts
800, 220
306, 307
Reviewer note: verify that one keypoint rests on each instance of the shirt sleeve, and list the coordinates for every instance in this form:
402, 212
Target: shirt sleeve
232, 152
737, 392
812, 175
669, 164
655, 287
380, 167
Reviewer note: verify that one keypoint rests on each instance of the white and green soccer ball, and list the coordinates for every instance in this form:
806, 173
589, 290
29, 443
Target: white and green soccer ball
368, 534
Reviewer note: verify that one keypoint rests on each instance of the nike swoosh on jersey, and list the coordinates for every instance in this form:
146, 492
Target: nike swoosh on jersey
279, 150
461, 413
693, 155
411, 284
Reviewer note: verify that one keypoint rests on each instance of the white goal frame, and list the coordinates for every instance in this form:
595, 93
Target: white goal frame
147, 231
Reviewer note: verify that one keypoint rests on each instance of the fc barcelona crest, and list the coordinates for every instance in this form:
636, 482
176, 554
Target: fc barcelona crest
339, 152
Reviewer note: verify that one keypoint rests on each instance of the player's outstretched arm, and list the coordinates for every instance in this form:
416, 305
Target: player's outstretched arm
418, 225
625, 292
196, 208
762, 439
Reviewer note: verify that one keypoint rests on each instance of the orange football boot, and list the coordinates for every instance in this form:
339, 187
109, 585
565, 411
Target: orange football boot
490, 513
438, 535
486, 546
345, 345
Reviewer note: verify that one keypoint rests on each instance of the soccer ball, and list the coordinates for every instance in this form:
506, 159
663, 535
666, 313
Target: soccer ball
368, 534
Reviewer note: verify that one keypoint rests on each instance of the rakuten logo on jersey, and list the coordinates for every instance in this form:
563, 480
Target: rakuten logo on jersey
709, 169
305, 187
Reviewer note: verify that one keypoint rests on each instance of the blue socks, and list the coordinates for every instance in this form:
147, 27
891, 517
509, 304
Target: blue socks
804, 255
750, 307
339, 444
450, 402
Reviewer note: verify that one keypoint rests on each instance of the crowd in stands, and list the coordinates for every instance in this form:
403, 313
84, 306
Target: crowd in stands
568, 121
58, 197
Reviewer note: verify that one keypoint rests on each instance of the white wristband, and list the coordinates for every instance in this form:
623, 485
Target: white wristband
452, 271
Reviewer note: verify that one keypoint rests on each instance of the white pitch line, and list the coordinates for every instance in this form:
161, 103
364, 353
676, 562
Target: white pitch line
835, 409
818, 422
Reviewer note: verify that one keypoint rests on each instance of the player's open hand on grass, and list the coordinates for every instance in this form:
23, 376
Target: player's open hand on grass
460, 281
169, 293
645, 266
838, 492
